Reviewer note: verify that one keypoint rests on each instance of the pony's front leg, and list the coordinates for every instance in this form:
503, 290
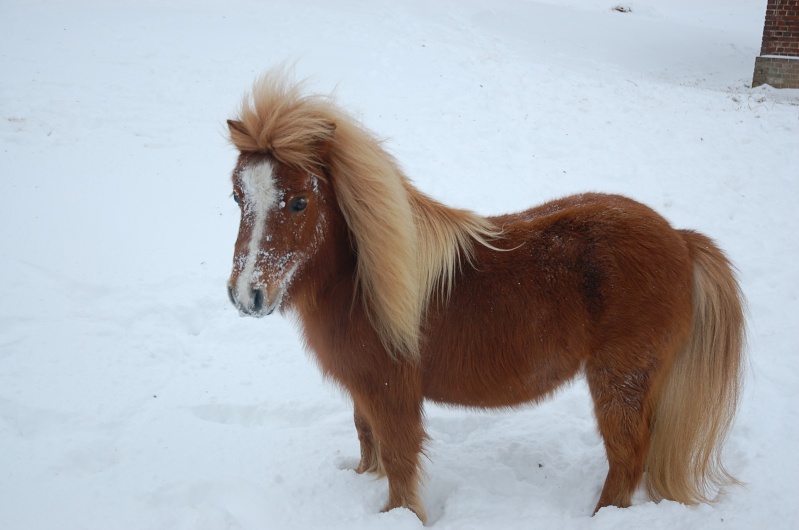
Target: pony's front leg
394, 413
370, 449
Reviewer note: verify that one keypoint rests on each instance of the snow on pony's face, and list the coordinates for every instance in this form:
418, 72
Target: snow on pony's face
277, 232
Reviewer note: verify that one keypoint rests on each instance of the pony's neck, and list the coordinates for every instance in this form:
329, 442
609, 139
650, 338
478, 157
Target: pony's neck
329, 273
446, 238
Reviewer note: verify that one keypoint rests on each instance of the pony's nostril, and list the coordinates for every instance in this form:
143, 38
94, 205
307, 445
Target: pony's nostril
230, 295
257, 300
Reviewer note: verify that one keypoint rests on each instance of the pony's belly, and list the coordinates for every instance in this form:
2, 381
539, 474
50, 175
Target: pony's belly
497, 385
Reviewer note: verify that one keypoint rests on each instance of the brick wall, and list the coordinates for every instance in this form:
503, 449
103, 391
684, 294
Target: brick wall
781, 29
778, 64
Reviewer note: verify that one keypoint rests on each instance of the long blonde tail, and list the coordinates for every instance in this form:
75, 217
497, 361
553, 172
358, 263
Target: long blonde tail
696, 406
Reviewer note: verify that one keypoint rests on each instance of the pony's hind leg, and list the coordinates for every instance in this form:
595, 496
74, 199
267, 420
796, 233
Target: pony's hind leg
370, 449
623, 414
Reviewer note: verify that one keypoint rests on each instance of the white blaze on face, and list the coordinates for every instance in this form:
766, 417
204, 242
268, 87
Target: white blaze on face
260, 197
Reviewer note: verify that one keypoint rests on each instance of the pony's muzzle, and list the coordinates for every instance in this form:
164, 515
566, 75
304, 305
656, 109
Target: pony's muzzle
253, 305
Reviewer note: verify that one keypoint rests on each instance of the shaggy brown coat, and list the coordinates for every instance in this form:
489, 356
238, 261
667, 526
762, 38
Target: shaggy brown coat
404, 299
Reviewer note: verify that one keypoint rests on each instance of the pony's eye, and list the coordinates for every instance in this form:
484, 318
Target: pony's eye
236, 198
298, 204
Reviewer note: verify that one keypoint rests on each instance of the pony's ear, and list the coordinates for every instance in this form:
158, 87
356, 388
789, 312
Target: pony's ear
240, 137
236, 127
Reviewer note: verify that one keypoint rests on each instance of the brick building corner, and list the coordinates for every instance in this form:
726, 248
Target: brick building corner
778, 64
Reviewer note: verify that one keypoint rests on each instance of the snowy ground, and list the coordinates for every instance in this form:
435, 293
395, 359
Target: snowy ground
132, 396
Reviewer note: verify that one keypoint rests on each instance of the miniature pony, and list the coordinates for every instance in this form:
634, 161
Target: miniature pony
403, 299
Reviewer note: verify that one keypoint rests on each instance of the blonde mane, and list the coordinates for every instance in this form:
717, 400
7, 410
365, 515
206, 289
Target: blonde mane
408, 245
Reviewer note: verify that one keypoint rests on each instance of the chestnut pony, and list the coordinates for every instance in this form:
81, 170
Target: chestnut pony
402, 299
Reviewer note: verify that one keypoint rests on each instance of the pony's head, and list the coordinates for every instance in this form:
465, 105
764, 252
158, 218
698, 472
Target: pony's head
281, 140
282, 216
